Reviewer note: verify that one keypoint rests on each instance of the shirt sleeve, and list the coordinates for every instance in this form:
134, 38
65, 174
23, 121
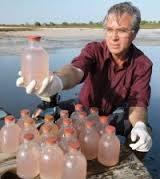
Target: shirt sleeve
85, 60
140, 90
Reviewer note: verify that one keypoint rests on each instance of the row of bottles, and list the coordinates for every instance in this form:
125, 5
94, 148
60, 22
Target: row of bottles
96, 137
50, 161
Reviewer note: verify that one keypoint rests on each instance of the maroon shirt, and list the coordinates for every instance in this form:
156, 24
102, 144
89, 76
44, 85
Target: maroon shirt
107, 87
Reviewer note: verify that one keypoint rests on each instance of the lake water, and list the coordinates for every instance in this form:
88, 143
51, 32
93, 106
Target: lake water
13, 99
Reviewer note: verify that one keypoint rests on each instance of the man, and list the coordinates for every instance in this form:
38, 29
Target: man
114, 73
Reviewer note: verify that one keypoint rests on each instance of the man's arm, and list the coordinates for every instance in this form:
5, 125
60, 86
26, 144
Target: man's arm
138, 114
70, 76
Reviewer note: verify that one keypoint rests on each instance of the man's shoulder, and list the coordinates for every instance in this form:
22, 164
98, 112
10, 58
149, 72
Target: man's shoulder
96, 45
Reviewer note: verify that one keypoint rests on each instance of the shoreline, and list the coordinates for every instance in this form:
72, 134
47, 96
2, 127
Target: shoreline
12, 42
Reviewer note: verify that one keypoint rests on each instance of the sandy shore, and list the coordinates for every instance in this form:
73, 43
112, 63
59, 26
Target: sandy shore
12, 42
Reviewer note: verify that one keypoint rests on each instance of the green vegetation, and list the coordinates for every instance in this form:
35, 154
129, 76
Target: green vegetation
27, 26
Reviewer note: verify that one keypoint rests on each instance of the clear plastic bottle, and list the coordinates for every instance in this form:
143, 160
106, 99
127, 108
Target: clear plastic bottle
63, 114
103, 122
78, 108
49, 120
68, 137
109, 147
29, 127
34, 62
75, 164
46, 131
79, 124
28, 158
89, 139
10, 134
51, 160
93, 115
24, 114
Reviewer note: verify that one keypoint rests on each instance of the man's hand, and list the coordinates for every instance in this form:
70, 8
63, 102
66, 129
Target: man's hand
50, 86
140, 133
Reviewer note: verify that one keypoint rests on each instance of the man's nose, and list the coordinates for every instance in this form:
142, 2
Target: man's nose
115, 35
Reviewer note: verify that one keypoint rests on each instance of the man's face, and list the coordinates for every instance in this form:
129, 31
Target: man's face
119, 34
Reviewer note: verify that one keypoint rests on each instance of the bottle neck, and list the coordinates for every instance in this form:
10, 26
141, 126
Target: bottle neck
34, 44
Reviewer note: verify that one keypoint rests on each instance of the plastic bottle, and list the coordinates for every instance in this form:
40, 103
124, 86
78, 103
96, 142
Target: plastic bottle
28, 158
75, 164
94, 115
103, 122
29, 127
24, 114
79, 124
51, 160
63, 114
34, 62
68, 137
10, 134
78, 108
49, 120
89, 139
67, 123
109, 147
46, 131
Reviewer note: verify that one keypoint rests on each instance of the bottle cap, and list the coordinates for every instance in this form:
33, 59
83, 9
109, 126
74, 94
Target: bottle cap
94, 110
74, 145
78, 107
67, 121
64, 113
25, 112
110, 129
48, 118
68, 131
28, 122
104, 119
51, 140
34, 37
9, 119
28, 136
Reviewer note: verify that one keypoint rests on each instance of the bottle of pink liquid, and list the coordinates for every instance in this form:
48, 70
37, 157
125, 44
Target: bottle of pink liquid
79, 124
49, 120
75, 164
24, 114
51, 160
28, 158
63, 114
34, 62
10, 134
29, 127
103, 122
75, 115
109, 147
68, 137
46, 131
89, 139
93, 115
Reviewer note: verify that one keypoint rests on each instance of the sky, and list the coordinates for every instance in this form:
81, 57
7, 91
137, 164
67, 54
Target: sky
58, 11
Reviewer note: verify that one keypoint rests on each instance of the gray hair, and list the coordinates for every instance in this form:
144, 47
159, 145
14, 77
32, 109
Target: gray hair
125, 7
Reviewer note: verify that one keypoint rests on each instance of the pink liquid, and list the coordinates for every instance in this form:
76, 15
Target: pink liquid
34, 65
75, 166
51, 162
28, 161
89, 139
109, 150
10, 134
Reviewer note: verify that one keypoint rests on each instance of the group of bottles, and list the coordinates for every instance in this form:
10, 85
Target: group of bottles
60, 149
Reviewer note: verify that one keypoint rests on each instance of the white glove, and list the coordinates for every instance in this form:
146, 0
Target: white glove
140, 132
50, 86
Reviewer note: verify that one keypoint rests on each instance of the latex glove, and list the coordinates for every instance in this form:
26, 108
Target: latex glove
140, 132
50, 86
